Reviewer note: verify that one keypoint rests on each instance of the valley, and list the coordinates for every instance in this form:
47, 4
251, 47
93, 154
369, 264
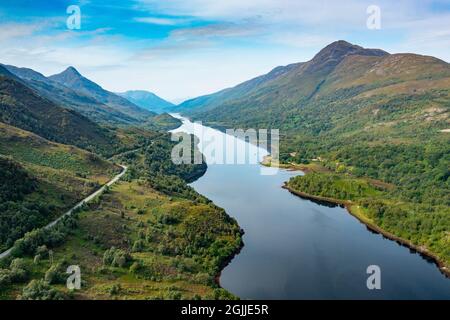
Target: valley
359, 128
356, 113
297, 248
140, 231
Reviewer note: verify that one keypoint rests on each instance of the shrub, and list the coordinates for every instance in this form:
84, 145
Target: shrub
116, 258
55, 274
115, 289
138, 246
19, 270
5, 278
40, 290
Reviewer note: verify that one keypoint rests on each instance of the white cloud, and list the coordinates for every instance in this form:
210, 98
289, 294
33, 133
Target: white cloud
235, 41
216, 30
161, 21
51, 52
10, 31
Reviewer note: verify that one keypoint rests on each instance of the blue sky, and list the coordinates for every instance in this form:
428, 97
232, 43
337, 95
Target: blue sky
184, 48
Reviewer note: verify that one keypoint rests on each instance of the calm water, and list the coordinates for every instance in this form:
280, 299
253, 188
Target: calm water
297, 249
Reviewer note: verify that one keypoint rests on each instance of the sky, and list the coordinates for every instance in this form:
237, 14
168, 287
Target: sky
181, 49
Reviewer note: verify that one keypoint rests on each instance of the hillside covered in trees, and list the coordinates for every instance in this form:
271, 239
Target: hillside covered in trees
362, 113
151, 236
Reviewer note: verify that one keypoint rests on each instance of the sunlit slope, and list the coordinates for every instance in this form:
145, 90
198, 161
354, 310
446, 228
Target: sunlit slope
41, 179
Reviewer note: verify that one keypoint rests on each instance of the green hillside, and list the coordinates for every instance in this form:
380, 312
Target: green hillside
150, 236
41, 179
364, 113
66, 97
22, 107
72, 79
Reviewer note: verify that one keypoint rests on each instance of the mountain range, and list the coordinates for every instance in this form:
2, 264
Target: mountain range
71, 90
363, 111
341, 71
148, 100
372, 126
24, 108
360, 115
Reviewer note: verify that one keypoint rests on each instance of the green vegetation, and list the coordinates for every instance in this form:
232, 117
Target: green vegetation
148, 237
23, 108
334, 186
164, 122
421, 224
40, 180
40, 290
358, 112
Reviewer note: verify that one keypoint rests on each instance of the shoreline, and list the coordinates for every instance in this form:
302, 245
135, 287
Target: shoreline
445, 270
228, 260
315, 167
305, 168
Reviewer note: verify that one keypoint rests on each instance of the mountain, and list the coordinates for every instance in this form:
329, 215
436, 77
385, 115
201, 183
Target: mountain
148, 101
338, 73
351, 105
357, 117
66, 97
72, 79
284, 81
22, 107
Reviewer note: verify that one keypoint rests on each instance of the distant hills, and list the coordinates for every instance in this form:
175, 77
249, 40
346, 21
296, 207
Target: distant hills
341, 71
148, 101
22, 107
363, 111
71, 90
355, 114
72, 79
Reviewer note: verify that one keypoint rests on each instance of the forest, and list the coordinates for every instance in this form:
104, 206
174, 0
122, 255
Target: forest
150, 236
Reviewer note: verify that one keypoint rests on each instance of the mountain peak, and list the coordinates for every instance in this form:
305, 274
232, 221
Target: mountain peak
335, 52
68, 76
342, 48
342, 44
71, 70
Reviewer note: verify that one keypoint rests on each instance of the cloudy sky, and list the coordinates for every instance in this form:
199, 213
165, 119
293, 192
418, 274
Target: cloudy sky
185, 48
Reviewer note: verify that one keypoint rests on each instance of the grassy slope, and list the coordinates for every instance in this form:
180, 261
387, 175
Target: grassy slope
178, 240
23, 108
64, 174
374, 117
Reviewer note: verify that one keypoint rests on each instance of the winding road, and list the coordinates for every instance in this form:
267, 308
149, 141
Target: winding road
78, 205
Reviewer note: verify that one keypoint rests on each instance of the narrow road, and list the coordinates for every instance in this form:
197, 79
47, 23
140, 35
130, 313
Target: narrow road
126, 152
78, 205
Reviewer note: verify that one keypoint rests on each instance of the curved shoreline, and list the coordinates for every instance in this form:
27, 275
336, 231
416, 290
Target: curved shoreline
230, 258
373, 227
